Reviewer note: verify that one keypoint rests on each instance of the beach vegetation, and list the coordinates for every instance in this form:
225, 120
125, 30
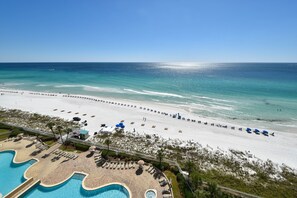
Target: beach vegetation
175, 186
51, 125
59, 129
160, 155
107, 142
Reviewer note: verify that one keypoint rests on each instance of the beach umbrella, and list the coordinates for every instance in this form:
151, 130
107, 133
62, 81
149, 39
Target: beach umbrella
92, 148
20, 135
76, 119
140, 163
265, 132
256, 130
248, 129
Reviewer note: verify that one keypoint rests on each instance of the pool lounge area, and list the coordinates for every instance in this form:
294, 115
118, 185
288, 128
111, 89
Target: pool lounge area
64, 177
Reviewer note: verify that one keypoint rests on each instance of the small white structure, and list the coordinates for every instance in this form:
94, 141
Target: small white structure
107, 129
185, 173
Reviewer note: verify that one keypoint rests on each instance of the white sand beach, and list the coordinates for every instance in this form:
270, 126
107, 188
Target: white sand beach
282, 148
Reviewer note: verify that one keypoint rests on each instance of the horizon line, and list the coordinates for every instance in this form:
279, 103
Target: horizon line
142, 62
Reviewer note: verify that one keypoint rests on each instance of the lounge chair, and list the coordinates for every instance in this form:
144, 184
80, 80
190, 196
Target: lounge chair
103, 165
115, 165
109, 165
148, 167
166, 192
163, 183
152, 171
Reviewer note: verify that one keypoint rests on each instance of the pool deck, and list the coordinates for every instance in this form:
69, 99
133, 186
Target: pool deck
52, 173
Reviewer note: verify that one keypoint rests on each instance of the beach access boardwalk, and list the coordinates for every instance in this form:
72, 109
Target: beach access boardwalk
18, 191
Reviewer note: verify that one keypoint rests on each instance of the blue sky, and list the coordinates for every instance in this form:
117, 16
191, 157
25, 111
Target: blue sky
148, 30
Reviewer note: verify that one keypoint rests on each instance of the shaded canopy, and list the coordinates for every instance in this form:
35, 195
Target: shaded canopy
140, 162
76, 119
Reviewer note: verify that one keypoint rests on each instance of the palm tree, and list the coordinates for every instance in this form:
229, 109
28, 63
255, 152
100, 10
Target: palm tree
60, 128
67, 130
160, 156
213, 190
189, 166
51, 125
195, 180
107, 142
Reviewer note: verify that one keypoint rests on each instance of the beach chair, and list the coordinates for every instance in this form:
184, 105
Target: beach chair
148, 167
103, 165
115, 165
108, 165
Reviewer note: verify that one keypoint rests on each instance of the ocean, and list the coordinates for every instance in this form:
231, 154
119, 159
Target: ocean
257, 94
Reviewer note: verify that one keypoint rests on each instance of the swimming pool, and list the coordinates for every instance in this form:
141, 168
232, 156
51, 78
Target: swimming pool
73, 188
11, 174
151, 193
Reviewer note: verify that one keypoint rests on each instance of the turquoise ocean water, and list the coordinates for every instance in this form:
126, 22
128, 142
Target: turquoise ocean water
264, 94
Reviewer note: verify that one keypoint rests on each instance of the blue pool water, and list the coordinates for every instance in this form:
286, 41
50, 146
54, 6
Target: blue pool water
73, 188
11, 174
150, 194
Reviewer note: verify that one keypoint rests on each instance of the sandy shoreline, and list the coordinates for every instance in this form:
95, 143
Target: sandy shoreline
280, 149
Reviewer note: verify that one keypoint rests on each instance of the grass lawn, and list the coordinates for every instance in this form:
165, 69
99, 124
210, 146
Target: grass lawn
69, 148
176, 191
4, 131
50, 142
4, 134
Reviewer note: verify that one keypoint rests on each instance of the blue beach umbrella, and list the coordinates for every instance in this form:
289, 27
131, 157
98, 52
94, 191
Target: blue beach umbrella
265, 132
248, 130
257, 131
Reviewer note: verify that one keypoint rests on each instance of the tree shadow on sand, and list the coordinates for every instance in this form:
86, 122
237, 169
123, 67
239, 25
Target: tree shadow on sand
139, 171
29, 145
45, 156
90, 155
34, 153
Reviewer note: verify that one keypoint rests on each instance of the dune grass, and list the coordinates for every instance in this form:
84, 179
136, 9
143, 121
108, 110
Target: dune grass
175, 187
4, 134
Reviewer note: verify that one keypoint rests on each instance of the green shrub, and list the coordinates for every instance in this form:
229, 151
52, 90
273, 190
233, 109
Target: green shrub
81, 147
174, 169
